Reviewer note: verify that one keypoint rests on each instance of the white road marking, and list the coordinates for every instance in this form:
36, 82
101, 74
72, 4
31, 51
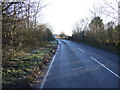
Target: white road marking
105, 67
81, 50
58, 47
53, 59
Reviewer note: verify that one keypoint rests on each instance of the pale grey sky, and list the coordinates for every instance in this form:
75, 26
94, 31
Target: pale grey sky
62, 14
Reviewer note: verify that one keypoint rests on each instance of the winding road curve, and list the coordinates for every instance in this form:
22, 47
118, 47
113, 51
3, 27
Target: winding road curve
77, 65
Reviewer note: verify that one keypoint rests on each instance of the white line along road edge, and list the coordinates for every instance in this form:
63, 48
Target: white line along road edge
105, 67
81, 50
53, 59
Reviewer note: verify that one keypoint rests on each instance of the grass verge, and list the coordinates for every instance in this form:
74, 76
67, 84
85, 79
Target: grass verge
22, 70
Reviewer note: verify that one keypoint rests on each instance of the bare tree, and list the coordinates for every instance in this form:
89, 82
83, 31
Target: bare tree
111, 8
97, 9
16, 20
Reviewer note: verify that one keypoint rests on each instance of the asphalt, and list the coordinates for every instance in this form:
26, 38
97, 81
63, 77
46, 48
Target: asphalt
77, 65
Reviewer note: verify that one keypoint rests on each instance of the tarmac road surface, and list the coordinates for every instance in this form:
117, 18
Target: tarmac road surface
77, 65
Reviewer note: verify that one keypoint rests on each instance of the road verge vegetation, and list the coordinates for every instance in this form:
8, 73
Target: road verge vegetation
22, 70
96, 33
26, 43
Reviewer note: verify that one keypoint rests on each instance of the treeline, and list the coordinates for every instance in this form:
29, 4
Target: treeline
98, 34
20, 30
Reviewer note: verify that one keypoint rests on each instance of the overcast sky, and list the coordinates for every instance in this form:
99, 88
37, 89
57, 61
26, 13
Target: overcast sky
62, 14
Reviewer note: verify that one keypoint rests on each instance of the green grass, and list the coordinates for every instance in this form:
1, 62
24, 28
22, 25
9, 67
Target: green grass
24, 68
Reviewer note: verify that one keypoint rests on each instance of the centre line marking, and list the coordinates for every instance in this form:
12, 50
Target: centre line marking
105, 67
81, 50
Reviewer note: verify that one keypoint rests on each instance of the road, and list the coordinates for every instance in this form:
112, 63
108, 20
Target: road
77, 65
